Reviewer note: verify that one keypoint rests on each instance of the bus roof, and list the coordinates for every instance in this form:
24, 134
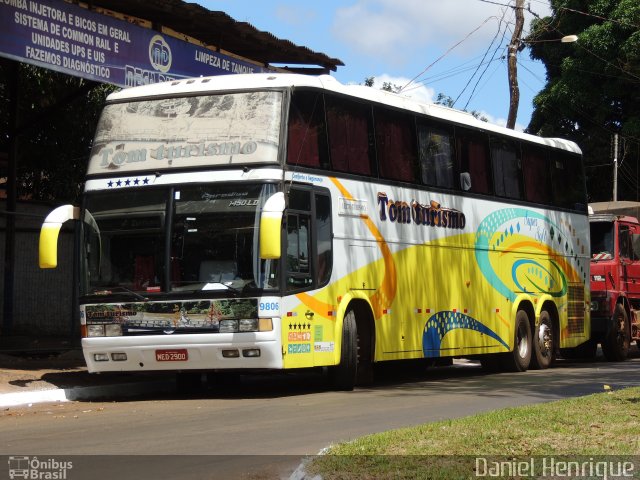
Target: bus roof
287, 80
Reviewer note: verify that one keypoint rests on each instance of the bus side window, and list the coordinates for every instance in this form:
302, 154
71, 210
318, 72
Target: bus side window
567, 178
537, 178
349, 125
395, 145
307, 141
507, 168
436, 156
472, 152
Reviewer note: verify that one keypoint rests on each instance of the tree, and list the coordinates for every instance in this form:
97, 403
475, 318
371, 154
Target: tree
57, 115
441, 99
591, 89
447, 101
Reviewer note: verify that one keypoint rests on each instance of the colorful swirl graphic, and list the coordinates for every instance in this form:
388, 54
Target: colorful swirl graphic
444, 322
498, 229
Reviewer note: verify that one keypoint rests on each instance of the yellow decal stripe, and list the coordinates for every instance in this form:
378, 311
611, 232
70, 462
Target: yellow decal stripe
559, 259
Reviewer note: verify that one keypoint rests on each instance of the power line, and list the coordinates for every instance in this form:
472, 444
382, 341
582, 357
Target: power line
487, 66
446, 53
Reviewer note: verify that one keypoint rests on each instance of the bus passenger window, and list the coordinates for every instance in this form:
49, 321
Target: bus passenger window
436, 157
395, 145
567, 177
507, 168
349, 136
472, 152
307, 143
537, 180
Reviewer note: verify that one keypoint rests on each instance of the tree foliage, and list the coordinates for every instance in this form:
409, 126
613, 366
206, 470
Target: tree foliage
592, 87
56, 118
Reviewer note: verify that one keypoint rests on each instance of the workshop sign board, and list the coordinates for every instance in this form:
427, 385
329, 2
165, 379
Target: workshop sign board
73, 40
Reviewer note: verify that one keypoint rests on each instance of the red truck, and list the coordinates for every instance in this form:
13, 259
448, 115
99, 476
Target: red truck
615, 280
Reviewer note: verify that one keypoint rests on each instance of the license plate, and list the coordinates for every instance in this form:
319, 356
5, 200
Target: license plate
180, 355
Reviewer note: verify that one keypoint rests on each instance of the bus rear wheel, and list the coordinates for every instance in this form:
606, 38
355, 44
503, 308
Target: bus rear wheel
343, 375
544, 343
615, 345
519, 359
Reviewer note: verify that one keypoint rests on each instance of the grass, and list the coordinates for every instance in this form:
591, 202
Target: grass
597, 425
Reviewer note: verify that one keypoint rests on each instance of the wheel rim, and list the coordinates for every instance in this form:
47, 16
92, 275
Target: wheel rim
523, 341
545, 340
622, 332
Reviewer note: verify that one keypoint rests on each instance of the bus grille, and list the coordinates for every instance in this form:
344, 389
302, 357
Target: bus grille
575, 324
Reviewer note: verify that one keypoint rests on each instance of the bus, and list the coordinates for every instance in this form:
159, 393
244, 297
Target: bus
262, 222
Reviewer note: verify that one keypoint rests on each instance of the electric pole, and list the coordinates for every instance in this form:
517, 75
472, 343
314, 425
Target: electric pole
512, 65
615, 167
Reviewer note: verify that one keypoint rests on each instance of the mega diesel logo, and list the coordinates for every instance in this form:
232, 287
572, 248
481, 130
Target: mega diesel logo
433, 214
160, 54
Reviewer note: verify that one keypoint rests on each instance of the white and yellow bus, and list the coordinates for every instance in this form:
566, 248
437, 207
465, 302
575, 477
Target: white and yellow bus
278, 221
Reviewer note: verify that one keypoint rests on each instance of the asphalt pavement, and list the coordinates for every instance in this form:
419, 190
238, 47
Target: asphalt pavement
60, 374
57, 372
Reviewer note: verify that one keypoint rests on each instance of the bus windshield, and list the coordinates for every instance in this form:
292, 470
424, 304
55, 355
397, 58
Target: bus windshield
196, 131
189, 238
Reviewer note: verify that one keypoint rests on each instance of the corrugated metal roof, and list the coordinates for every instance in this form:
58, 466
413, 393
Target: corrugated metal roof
220, 30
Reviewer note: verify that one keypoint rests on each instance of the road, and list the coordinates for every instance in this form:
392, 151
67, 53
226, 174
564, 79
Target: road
268, 423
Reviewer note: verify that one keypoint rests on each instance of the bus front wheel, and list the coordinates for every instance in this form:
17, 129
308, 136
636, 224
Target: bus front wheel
343, 375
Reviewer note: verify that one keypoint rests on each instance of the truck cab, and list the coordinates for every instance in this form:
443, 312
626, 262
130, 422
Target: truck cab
615, 283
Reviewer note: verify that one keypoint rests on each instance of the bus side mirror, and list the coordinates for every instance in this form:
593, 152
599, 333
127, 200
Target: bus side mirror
48, 248
271, 227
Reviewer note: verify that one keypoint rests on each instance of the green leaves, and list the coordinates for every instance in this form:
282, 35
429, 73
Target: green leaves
592, 86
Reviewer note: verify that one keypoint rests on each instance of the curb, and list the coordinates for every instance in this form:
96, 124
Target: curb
84, 393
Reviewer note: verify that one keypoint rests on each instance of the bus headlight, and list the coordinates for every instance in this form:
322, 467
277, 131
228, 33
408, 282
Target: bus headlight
104, 330
248, 325
113, 330
228, 326
95, 330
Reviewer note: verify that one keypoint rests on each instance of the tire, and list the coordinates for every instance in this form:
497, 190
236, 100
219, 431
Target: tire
519, 359
615, 345
343, 375
544, 343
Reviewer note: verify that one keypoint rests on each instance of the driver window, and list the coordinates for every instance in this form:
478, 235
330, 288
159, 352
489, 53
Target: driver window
624, 242
298, 240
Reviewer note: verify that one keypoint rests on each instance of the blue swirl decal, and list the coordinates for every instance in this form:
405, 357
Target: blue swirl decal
488, 227
536, 275
441, 323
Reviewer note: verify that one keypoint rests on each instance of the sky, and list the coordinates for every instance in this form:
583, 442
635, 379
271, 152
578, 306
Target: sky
454, 47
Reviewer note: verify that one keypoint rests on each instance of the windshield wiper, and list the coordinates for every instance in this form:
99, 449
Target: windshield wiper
110, 290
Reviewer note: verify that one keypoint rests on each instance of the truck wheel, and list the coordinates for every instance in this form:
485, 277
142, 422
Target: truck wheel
519, 359
343, 376
615, 346
544, 343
